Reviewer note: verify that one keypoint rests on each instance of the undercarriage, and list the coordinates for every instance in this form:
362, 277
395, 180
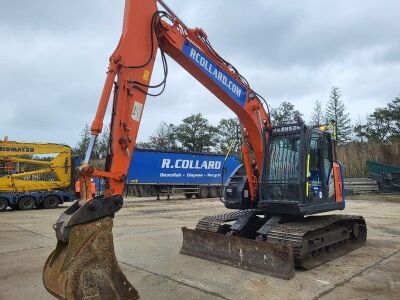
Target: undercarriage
274, 244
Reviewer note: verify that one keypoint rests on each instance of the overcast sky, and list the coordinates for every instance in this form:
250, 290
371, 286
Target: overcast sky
54, 54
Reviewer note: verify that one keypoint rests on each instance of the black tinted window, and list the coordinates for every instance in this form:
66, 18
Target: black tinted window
284, 158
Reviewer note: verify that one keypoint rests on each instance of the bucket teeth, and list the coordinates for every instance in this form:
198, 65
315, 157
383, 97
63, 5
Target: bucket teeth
86, 266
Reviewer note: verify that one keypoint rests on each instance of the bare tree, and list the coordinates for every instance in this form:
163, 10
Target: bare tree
317, 116
336, 111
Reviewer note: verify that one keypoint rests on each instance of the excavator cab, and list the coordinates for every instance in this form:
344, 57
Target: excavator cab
298, 174
299, 171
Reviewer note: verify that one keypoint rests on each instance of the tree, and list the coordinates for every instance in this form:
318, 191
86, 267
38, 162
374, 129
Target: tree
383, 125
164, 138
284, 114
83, 143
394, 108
143, 145
196, 134
317, 116
102, 143
336, 111
229, 135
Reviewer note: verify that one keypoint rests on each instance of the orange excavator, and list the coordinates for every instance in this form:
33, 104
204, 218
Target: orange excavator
289, 173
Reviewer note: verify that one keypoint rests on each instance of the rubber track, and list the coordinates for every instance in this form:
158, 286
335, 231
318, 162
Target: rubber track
213, 223
294, 233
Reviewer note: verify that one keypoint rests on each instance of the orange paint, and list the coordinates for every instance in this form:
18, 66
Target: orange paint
338, 182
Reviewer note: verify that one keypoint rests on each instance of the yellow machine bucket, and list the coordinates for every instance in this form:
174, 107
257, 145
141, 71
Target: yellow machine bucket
83, 265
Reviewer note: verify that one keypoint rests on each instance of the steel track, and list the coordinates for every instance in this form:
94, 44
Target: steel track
315, 239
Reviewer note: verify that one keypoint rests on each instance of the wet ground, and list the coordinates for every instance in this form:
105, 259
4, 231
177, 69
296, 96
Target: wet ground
148, 238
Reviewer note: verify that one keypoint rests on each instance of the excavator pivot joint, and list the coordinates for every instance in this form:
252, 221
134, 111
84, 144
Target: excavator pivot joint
96, 208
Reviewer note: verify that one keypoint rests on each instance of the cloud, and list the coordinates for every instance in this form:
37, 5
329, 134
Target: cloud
54, 56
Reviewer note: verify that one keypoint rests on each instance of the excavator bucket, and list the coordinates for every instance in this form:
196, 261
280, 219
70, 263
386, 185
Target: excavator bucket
84, 266
257, 256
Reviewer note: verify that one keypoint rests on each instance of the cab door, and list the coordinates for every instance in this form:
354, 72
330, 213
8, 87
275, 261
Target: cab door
319, 168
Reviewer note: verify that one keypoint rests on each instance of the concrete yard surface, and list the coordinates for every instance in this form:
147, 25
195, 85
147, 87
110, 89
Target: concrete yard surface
147, 237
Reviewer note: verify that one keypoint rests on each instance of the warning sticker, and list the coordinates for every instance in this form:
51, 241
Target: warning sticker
137, 111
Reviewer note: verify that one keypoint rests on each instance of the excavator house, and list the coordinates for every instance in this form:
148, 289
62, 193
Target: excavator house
289, 173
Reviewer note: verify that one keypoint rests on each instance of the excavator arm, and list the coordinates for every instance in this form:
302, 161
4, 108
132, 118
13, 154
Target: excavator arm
146, 30
84, 263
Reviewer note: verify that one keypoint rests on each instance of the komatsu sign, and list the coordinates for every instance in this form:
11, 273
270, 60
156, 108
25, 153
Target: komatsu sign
220, 77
